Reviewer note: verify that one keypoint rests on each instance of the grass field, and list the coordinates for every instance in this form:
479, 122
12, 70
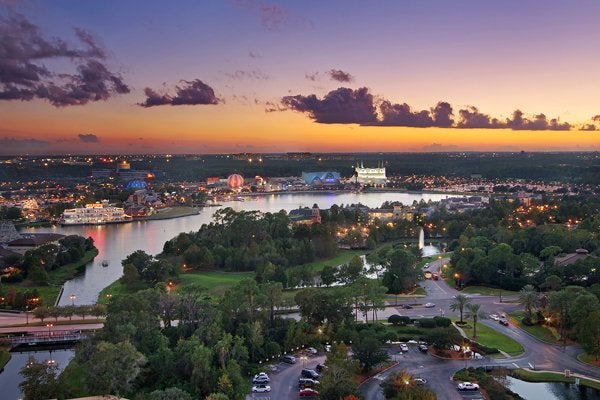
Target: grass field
589, 359
342, 257
68, 271
47, 294
4, 357
173, 212
531, 376
539, 331
215, 282
492, 338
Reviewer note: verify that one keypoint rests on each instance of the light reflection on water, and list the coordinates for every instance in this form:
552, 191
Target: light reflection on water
115, 242
551, 390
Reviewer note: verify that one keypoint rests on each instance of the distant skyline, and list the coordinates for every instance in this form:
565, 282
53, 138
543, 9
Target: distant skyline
99, 77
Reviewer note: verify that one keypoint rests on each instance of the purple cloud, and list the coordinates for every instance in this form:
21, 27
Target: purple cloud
472, 118
538, 123
24, 75
88, 138
401, 115
339, 75
193, 92
340, 106
588, 127
253, 74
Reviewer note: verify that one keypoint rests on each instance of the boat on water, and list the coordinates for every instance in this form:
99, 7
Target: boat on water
105, 263
99, 213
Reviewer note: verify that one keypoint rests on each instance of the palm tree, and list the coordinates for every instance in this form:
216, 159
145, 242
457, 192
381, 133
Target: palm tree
528, 299
474, 312
458, 303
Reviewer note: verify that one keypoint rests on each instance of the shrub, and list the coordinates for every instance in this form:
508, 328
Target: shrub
394, 319
442, 322
427, 323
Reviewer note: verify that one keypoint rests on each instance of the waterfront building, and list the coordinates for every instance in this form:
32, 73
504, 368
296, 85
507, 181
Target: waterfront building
305, 215
95, 214
326, 178
371, 176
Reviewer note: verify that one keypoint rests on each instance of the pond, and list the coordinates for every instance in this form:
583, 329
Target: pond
551, 390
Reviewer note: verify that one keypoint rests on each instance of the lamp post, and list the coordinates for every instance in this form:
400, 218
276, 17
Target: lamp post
49, 328
72, 297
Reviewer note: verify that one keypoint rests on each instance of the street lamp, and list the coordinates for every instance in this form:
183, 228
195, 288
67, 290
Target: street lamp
49, 328
72, 297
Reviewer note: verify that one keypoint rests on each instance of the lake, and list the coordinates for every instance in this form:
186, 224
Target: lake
115, 242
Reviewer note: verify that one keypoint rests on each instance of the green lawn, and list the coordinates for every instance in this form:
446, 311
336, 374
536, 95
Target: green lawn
68, 271
589, 359
492, 338
539, 331
342, 257
215, 282
487, 291
47, 294
531, 376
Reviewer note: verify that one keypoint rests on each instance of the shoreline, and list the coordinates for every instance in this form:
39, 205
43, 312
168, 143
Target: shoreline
370, 190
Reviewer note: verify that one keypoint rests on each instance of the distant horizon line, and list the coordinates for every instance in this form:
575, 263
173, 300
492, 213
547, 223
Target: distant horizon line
306, 152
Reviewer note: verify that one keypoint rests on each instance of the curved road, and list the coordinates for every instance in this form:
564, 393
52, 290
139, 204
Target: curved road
538, 354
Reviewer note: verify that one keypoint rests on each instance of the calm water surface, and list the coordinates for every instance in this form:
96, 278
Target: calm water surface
551, 391
10, 377
115, 242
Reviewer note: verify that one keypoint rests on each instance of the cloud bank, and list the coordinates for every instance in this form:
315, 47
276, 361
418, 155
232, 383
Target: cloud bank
88, 138
193, 92
24, 74
348, 106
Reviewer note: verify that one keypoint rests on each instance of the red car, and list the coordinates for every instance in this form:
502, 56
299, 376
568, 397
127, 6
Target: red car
308, 392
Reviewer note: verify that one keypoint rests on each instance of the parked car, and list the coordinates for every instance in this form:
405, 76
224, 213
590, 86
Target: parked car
261, 388
422, 348
494, 317
309, 373
503, 321
403, 348
429, 305
467, 386
261, 377
406, 306
312, 350
320, 368
289, 359
307, 383
308, 392
420, 381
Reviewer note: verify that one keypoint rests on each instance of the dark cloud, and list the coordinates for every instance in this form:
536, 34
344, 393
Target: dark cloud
472, 118
339, 75
340, 106
588, 127
312, 77
254, 54
442, 114
88, 138
254, 74
401, 115
193, 92
12, 146
538, 123
273, 17
24, 75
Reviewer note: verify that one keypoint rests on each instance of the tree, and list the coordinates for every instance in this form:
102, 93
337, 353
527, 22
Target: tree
272, 292
337, 380
112, 368
328, 275
442, 338
528, 299
40, 380
473, 312
589, 335
130, 276
369, 352
41, 312
458, 303
168, 394
552, 282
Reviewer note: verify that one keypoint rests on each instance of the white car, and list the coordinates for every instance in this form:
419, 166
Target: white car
495, 317
261, 388
468, 386
420, 381
261, 378
312, 350
403, 347
429, 305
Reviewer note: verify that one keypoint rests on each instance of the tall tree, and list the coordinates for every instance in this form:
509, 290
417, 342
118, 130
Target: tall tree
458, 303
474, 313
40, 380
528, 299
369, 352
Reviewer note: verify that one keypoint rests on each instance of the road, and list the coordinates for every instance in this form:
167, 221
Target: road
538, 354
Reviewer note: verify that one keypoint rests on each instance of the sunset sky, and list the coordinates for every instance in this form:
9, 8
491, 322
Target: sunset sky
276, 76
